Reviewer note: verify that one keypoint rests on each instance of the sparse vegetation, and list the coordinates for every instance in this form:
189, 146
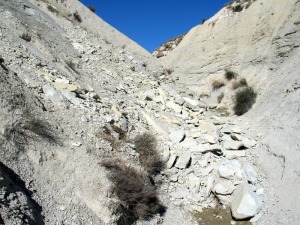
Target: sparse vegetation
244, 99
229, 75
26, 37
138, 197
52, 9
220, 97
145, 145
237, 8
92, 8
238, 84
169, 71
217, 85
77, 16
115, 136
239, 5
71, 65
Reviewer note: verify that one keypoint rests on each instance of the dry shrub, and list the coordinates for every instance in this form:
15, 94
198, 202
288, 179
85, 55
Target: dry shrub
138, 197
244, 99
52, 9
92, 8
217, 85
26, 37
107, 135
237, 8
77, 17
229, 75
145, 145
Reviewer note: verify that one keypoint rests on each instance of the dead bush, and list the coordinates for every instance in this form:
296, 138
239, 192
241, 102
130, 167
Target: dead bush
217, 85
244, 99
138, 197
145, 145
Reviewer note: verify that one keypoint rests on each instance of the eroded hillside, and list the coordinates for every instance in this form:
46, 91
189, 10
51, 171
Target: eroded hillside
94, 130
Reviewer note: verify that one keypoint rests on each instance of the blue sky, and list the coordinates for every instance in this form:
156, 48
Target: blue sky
151, 23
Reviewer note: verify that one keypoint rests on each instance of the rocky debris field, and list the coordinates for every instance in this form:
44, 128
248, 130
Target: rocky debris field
92, 132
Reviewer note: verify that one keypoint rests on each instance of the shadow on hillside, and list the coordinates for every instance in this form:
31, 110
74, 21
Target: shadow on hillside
12, 183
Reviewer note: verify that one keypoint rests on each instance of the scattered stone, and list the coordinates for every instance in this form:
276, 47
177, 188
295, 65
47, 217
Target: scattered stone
191, 102
172, 161
180, 193
190, 143
61, 86
183, 161
228, 170
234, 153
209, 185
174, 106
250, 172
248, 143
234, 145
177, 136
224, 188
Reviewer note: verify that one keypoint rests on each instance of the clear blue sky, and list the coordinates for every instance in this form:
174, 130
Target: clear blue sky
151, 23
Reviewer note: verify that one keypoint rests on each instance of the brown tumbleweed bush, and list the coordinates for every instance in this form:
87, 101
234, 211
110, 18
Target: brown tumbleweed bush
145, 145
138, 197
244, 99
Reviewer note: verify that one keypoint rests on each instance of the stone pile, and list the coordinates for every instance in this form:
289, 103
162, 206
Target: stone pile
206, 156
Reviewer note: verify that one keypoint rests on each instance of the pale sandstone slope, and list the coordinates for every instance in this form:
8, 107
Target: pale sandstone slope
261, 44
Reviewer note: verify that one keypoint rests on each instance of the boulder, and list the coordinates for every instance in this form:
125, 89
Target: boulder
244, 203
